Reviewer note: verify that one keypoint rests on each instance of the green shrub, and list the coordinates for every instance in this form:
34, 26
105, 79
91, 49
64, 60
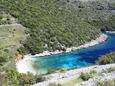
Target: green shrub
110, 70
51, 24
86, 76
21, 50
106, 83
12, 77
54, 84
107, 59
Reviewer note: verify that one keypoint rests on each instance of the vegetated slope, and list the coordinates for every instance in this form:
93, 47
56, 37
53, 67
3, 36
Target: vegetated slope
107, 59
13, 78
12, 35
11, 38
4, 18
98, 13
52, 25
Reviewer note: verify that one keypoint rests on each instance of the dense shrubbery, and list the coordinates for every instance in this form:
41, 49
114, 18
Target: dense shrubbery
5, 18
98, 13
55, 24
107, 25
107, 59
4, 57
10, 39
110, 70
87, 76
106, 83
51, 24
13, 78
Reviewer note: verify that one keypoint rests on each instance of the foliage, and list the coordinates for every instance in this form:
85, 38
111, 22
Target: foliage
5, 18
106, 83
52, 26
21, 50
54, 84
4, 57
11, 38
107, 59
55, 24
86, 76
12, 77
110, 70
73, 82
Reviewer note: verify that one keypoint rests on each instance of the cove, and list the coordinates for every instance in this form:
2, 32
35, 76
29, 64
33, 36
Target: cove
76, 59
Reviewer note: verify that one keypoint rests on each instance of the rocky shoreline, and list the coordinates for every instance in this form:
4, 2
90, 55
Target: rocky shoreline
23, 65
64, 77
101, 39
110, 31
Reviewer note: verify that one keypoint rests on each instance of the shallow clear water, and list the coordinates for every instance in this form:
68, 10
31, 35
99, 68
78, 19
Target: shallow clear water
76, 59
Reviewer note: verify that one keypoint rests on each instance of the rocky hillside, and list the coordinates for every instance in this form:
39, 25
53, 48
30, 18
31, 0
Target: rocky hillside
58, 24
98, 13
12, 35
52, 24
89, 76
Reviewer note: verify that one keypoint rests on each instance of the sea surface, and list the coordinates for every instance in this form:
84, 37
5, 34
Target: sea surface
77, 59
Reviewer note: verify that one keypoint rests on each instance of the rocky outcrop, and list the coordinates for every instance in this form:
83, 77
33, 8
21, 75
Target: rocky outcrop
95, 80
101, 39
19, 57
75, 73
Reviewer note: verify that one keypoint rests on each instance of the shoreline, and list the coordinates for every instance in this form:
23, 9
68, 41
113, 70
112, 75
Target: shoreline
110, 31
64, 77
99, 40
24, 65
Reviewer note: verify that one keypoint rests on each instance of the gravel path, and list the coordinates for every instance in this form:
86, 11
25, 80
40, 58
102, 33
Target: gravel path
12, 25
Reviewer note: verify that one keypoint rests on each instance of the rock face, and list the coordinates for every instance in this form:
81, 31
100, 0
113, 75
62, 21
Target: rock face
73, 74
18, 57
95, 80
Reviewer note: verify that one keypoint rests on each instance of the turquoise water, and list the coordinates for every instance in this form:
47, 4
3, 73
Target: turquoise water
76, 59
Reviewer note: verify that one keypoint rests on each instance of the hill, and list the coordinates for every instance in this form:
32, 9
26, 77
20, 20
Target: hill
52, 25
11, 37
58, 24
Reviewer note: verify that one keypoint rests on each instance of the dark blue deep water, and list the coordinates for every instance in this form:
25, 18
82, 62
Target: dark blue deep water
76, 59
